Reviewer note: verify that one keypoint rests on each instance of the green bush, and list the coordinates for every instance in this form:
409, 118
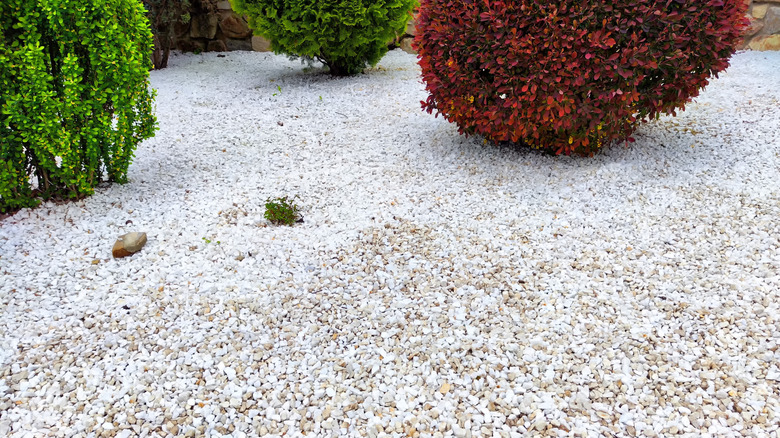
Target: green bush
345, 35
74, 95
282, 211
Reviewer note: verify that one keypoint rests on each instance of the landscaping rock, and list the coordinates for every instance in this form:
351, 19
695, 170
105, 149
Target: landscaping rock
260, 44
233, 45
754, 27
128, 244
191, 46
759, 11
406, 45
772, 20
204, 26
216, 46
764, 43
233, 25
411, 27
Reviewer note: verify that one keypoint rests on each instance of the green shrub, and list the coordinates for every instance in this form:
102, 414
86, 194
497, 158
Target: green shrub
345, 35
282, 211
74, 95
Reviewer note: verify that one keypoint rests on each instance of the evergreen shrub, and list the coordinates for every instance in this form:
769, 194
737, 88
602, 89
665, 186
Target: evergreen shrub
345, 35
573, 75
74, 95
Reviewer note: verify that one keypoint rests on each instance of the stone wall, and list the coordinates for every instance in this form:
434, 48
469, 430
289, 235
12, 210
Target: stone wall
764, 31
224, 30
218, 31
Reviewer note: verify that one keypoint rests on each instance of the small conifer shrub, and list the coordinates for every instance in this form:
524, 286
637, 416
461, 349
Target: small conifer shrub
570, 76
345, 35
74, 95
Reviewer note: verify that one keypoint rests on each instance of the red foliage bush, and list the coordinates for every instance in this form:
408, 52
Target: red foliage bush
570, 76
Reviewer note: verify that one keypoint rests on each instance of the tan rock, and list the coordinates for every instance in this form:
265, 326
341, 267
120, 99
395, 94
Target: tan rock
771, 21
128, 244
224, 5
753, 28
764, 43
406, 45
759, 11
260, 44
234, 26
411, 27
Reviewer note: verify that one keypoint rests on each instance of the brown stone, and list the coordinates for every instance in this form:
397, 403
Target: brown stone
216, 46
181, 29
764, 43
224, 5
234, 26
234, 45
191, 45
128, 244
204, 26
260, 44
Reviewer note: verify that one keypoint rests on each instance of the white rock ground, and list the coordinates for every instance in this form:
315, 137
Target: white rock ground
437, 287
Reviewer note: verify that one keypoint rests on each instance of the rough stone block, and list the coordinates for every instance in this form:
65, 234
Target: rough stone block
771, 21
759, 11
190, 45
216, 46
411, 27
204, 26
406, 45
754, 27
181, 30
260, 44
233, 25
764, 43
239, 45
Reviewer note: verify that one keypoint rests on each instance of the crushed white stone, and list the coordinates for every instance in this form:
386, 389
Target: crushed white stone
438, 286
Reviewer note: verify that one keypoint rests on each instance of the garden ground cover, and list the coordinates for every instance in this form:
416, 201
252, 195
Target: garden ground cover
437, 285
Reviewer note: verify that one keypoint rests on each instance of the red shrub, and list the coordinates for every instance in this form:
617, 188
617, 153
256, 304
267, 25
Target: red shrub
571, 75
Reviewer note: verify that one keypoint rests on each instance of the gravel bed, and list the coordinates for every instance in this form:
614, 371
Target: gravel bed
437, 286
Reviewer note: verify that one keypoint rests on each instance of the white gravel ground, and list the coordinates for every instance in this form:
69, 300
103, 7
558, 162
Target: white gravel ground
437, 287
